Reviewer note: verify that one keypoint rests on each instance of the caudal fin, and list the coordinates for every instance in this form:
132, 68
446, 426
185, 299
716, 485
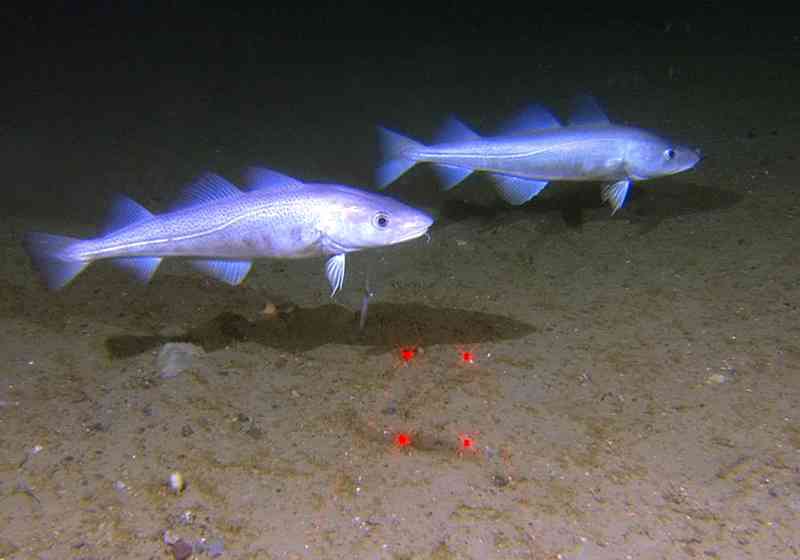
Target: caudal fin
52, 257
398, 156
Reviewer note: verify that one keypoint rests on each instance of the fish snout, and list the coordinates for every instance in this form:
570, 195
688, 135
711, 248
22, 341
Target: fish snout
426, 220
692, 156
417, 225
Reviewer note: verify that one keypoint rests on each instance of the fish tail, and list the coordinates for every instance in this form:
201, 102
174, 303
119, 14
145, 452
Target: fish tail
398, 156
55, 258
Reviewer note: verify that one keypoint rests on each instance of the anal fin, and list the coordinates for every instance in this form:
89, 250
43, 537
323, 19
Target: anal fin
142, 268
517, 190
230, 272
450, 175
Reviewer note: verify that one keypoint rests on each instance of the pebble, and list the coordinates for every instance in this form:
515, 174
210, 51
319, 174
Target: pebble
717, 378
181, 549
270, 310
176, 482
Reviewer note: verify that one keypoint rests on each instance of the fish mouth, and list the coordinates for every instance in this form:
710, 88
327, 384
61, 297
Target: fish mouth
419, 228
413, 234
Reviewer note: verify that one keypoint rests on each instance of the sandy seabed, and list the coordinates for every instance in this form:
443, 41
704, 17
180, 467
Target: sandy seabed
634, 386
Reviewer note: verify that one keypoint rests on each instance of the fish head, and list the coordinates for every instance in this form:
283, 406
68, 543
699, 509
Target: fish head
356, 219
649, 156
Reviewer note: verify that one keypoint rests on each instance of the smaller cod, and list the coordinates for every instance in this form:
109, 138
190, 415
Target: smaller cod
534, 149
222, 229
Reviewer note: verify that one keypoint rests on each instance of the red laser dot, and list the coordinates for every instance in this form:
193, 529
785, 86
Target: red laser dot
467, 357
467, 443
402, 439
408, 353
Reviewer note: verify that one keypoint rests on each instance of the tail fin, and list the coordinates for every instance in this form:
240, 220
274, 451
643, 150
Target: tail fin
398, 156
51, 256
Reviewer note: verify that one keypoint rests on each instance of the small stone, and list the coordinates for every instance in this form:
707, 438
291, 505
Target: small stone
186, 430
717, 378
7, 548
215, 548
270, 310
500, 480
176, 482
391, 409
181, 550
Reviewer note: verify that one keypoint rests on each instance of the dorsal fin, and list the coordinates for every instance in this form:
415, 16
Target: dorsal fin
124, 212
206, 188
262, 178
453, 130
533, 117
586, 111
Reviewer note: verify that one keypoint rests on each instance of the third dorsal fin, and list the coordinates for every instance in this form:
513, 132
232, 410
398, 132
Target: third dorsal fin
124, 212
586, 111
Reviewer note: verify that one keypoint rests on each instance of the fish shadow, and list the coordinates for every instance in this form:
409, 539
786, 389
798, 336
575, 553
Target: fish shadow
389, 326
647, 205
650, 206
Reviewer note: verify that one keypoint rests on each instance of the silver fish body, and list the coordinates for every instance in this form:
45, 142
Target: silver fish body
535, 149
221, 229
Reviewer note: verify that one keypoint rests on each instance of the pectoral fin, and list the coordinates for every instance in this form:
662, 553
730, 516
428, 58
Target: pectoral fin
615, 194
334, 271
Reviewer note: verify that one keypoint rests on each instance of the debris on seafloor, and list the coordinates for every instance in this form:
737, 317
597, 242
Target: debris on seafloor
717, 379
176, 357
270, 310
24, 488
183, 549
176, 482
213, 548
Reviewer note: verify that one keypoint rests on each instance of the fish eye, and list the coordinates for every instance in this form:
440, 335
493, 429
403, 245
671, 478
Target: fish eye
669, 154
381, 220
